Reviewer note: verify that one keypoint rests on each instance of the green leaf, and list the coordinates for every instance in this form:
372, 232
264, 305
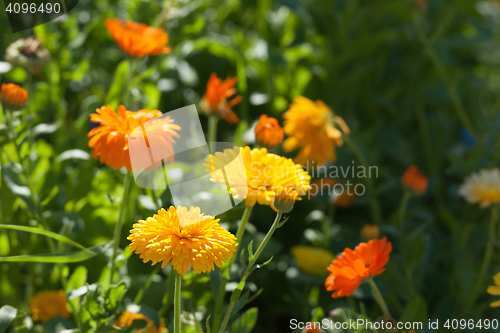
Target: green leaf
250, 251
59, 257
47, 233
241, 302
416, 310
73, 154
236, 293
246, 322
114, 294
153, 96
215, 282
46, 128
7, 315
77, 279
114, 95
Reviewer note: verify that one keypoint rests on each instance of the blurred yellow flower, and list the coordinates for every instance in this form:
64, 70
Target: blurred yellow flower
312, 260
48, 304
260, 178
310, 127
495, 290
127, 318
370, 231
186, 237
482, 187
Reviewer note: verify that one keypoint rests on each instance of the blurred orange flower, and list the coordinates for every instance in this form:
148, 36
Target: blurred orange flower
310, 127
13, 96
353, 266
415, 180
138, 39
370, 231
268, 132
127, 318
109, 141
215, 100
48, 304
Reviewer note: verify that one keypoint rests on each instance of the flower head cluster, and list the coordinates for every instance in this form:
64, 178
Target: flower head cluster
110, 140
310, 127
495, 290
48, 304
127, 318
13, 96
415, 180
138, 39
312, 260
353, 266
268, 132
185, 237
215, 100
28, 53
482, 187
262, 176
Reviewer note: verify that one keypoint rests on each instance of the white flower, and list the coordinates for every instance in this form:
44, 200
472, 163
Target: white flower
482, 187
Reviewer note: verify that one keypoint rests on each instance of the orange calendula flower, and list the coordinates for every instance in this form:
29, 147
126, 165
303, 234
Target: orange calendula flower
370, 231
13, 96
215, 100
415, 180
48, 304
127, 318
495, 290
185, 237
110, 140
268, 132
260, 178
310, 127
353, 266
138, 39
482, 187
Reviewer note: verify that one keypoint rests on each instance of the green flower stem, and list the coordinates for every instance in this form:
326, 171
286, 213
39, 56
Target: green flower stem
378, 297
225, 278
375, 207
29, 182
177, 303
118, 225
140, 293
487, 258
452, 91
248, 270
402, 211
212, 128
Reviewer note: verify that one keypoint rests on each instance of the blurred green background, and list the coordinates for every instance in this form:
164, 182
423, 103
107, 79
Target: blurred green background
416, 81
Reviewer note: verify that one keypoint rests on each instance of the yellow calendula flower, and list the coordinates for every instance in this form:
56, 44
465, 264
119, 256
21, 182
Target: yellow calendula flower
312, 260
259, 177
284, 199
310, 127
127, 318
495, 290
185, 237
48, 304
482, 187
